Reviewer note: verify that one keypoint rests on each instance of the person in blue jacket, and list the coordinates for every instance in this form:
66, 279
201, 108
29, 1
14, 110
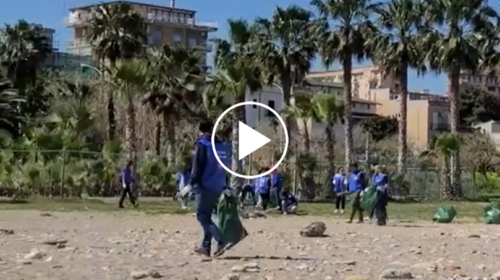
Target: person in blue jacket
381, 181
277, 181
262, 187
339, 189
183, 177
127, 180
289, 203
208, 182
356, 184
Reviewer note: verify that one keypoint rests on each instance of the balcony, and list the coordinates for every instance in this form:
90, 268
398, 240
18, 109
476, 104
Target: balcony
440, 126
206, 47
78, 47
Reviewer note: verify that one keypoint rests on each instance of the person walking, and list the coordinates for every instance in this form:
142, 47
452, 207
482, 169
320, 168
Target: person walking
262, 189
127, 180
277, 182
356, 184
208, 182
339, 189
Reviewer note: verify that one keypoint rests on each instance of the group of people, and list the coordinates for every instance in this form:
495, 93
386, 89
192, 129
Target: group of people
354, 185
266, 189
207, 181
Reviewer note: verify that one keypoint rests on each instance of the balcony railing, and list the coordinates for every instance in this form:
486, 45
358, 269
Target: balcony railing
162, 19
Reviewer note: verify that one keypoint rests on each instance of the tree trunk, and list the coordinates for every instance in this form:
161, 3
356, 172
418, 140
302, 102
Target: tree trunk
158, 138
111, 112
347, 66
446, 188
130, 134
169, 127
403, 113
456, 186
236, 164
290, 122
305, 136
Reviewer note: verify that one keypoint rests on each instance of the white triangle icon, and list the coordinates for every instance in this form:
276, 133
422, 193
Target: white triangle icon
249, 140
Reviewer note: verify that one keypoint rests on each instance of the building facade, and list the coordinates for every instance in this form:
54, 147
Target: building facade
428, 114
491, 129
488, 83
163, 24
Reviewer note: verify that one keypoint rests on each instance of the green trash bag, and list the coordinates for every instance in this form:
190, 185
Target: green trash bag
493, 204
445, 214
369, 199
492, 216
228, 220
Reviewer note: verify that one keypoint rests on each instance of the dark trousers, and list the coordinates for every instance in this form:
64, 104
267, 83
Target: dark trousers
265, 200
380, 210
205, 201
275, 192
247, 190
339, 201
356, 207
126, 191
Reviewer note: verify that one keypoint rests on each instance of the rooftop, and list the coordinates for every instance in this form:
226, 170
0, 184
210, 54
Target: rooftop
132, 3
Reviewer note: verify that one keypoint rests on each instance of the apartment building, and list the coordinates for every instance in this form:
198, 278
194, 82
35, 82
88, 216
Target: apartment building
488, 83
164, 24
428, 114
273, 97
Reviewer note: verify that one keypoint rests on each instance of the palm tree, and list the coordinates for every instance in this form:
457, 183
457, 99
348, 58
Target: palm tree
9, 103
174, 73
285, 49
329, 111
237, 74
396, 48
22, 47
342, 33
452, 47
445, 146
129, 80
115, 32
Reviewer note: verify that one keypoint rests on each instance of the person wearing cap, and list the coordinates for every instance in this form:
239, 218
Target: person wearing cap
356, 185
277, 181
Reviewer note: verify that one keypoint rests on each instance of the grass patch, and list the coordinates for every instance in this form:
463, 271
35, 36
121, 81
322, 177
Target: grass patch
471, 211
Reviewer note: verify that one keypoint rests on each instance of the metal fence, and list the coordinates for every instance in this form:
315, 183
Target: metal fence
76, 173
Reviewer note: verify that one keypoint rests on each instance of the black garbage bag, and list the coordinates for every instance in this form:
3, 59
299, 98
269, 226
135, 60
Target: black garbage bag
228, 220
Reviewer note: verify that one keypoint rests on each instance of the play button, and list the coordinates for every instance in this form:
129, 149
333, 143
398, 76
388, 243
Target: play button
249, 140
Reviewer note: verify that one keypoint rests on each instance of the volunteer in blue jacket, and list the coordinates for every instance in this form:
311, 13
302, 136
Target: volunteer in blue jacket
356, 184
183, 177
262, 189
277, 181
339, 189
127, 180
381, 181
289, 203
208, 181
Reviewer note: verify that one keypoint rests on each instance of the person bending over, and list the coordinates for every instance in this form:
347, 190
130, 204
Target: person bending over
248, 190
289, 203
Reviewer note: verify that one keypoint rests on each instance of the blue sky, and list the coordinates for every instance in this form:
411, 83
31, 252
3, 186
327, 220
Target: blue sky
51, 13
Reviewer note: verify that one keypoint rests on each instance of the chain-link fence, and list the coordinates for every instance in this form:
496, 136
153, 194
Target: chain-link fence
77, 173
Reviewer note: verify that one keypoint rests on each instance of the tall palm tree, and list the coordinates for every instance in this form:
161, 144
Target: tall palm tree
173, 73
395, 49
237, 74
22, 47
285, 49
452, 47
9, 102
115, 32
128, 80
342, 33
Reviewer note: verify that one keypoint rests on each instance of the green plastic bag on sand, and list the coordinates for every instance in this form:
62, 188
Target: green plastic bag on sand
228, 220
445, 214
492, 213
369, 199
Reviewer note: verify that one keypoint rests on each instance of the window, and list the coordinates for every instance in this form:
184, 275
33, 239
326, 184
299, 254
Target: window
491, 88
177, 38
254, 106
368, 106
192, 42
270, 103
